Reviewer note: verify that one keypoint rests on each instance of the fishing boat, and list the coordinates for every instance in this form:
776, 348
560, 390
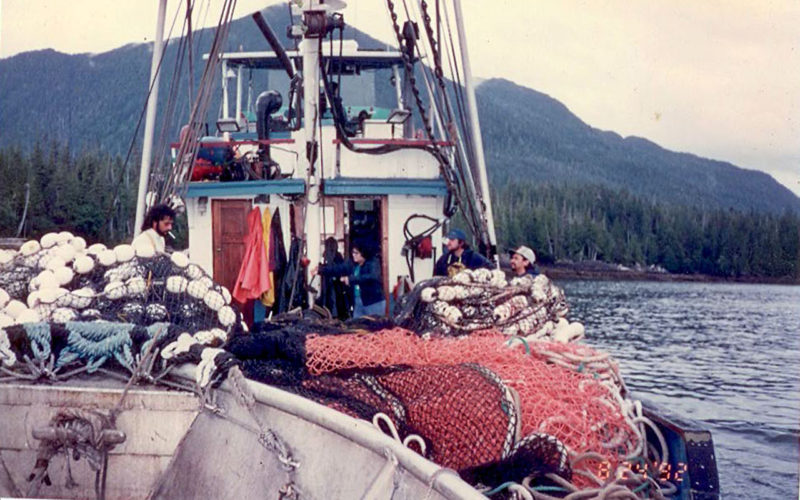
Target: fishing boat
91, 410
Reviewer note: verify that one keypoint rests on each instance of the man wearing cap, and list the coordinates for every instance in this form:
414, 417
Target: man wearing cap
522, 260
459, 256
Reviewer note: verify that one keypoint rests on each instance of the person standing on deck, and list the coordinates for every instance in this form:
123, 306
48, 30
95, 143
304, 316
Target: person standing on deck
459, 256
157, 223
522, 260
363, 275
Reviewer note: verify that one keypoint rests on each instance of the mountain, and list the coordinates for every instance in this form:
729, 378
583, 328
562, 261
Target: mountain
96, 100
531, 136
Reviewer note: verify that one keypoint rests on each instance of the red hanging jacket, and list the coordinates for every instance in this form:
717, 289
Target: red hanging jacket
253, 279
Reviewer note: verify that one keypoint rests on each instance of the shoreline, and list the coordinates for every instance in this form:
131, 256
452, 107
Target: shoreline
610, 272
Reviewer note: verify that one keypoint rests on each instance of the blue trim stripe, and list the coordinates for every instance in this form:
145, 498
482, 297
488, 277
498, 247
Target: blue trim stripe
361, 186
241, 188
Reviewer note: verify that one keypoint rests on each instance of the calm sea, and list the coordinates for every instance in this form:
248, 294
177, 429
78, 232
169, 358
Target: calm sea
724, 354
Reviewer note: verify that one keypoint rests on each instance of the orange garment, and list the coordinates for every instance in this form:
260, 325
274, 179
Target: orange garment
253, 279
268, 297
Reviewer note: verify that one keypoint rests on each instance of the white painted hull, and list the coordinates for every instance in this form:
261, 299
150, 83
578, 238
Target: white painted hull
173, 451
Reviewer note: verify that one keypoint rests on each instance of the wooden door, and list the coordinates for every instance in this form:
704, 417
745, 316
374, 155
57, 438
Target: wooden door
229, 229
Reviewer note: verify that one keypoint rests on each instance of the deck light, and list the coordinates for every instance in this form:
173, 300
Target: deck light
398, 116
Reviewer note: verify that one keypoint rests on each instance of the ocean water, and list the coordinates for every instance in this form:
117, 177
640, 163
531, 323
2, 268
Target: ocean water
724, 354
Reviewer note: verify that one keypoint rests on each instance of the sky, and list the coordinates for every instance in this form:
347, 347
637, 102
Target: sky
720, 79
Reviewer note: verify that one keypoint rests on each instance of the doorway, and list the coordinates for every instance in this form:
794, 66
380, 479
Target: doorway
367, 223
229, 233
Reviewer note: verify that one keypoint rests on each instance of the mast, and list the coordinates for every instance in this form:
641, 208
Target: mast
314, 19
150, 118
475, 132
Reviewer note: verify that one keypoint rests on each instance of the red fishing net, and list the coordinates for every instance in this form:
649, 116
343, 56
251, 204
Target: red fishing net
569, 391
448, 405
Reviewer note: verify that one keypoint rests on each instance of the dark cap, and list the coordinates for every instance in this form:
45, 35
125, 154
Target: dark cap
456, 234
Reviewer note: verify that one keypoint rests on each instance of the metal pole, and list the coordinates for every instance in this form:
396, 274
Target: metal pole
239, 95
475, 129
225, 109
310, 49
150, 118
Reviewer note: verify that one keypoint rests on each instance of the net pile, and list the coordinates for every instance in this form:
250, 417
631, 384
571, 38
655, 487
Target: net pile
579, 407
102, 295
481, 299
446, 405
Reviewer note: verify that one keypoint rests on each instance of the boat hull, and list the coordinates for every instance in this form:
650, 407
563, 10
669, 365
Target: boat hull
172, 450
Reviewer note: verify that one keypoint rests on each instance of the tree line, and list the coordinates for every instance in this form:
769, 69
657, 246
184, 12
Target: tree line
596, 223
93, 193
50, 188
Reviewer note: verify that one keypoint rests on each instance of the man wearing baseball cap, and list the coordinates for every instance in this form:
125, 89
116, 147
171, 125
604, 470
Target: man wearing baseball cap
522, 260
459, 256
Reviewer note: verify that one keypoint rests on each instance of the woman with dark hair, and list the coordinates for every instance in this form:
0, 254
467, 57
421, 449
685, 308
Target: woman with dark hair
362, 273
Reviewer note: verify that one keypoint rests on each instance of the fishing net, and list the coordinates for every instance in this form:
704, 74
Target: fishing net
80, 304
477, 300
445, 405
577, 403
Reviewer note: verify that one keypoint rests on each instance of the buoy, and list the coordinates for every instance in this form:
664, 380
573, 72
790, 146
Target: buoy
91, 314
177, 284
83, 264
66, 252
63, 315
6, 257
463, 278
226, 295
144, 249
197, 288
81, 298
115, 290
214, 300
219, 333
226, 316
428, 294
33, 299
55, 263
447, 293
64, 275
6, 320
124, 253
194, 272
4, 298
156, 312
45, 279
96, 249
65, 237
28, 316
14, 308
79, 244
30, 247
49, 240
136, 286
107, 258
180, 259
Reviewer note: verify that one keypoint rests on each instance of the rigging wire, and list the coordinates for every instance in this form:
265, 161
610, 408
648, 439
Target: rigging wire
158, 173
177, 183
114, 197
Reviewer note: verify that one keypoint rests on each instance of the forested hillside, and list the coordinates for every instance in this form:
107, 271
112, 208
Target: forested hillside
95, 101
92, 194
588, 223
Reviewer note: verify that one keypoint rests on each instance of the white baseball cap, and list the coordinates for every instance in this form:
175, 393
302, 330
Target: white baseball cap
525, 252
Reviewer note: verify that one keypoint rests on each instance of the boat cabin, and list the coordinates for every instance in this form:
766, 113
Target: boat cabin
258, 157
